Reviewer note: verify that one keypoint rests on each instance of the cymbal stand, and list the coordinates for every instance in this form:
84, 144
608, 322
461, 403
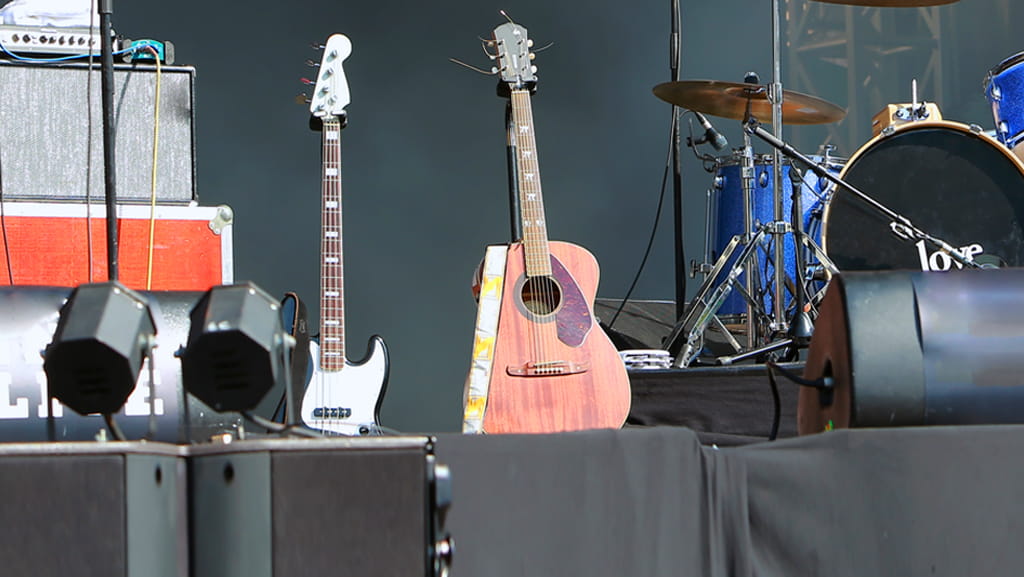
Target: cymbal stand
747, 177
899, 225
703, 311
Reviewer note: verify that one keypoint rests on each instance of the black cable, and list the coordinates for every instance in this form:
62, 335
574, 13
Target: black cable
275, 427
3, 228
657, 218
776, 402
822, 383
661, 203
278, 414
113, 428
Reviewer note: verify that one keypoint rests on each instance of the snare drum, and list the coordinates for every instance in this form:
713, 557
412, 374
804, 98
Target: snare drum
950, 181
726, 215
1004, 88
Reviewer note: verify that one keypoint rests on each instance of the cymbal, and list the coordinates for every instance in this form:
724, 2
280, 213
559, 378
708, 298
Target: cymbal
891, 3
729, 100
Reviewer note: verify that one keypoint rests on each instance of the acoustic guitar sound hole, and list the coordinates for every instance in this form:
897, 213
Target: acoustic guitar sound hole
541, 295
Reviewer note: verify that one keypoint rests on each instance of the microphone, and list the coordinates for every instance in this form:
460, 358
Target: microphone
718, 142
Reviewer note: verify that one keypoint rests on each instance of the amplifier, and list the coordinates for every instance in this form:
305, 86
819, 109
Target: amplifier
52, 40
48, 244
51, 132
289, 508
93, 509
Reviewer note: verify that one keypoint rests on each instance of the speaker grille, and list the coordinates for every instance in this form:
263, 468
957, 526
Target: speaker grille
48, 151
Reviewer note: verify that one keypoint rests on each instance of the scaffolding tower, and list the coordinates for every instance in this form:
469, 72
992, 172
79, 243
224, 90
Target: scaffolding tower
862, 58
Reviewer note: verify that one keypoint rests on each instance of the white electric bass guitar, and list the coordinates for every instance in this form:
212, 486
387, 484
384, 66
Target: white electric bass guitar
341, 398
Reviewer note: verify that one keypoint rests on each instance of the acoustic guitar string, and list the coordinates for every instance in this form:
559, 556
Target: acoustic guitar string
529, 220
545, 296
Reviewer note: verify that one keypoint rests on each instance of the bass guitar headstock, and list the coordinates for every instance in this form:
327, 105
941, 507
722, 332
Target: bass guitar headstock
331, 96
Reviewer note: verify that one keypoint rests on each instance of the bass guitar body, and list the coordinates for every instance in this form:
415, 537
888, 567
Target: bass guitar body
554, 369
346, 401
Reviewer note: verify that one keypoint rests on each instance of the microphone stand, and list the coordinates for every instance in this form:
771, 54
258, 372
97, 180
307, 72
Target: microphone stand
899, 224
675, 56
105, 9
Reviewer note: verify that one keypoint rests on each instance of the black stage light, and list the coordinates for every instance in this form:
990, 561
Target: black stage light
903, 348
234, 354
104, 333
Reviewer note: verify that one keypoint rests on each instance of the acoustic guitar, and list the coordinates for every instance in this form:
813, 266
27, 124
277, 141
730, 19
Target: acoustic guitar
341, 397
553, 368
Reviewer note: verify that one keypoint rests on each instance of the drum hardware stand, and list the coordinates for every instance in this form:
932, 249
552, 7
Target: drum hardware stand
712, 293
775, 95
710, 298
777, 228
899, 224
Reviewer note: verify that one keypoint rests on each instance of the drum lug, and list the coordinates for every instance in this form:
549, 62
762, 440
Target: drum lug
997, 93
699, 268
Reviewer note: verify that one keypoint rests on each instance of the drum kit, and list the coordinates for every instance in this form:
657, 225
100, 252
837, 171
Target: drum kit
817, 216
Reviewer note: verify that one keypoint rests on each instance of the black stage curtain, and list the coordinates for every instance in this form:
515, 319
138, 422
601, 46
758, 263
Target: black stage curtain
653, 502
724, 405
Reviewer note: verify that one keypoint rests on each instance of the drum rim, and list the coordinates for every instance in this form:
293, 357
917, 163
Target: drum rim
769, 158
956, 126
1006, 64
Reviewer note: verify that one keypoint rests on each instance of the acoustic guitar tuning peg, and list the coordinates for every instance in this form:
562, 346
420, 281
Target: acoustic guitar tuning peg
317, 45
312, 64
302, 99
307, 81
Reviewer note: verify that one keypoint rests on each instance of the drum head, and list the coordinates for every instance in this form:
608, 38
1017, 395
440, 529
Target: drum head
954, 184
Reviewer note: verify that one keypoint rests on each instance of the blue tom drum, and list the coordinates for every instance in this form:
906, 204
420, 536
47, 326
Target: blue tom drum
1004, 88
726, 220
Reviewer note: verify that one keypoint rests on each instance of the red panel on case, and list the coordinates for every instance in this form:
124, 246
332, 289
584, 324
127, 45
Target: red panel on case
54, 250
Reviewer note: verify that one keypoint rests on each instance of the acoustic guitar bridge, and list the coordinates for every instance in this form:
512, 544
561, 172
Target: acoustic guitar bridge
548, 369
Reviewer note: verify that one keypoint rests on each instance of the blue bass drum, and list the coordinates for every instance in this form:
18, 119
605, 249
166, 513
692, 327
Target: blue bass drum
1004, 88
726, 219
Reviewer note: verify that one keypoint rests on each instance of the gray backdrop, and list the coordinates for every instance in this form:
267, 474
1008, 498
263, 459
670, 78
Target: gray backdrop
424, 154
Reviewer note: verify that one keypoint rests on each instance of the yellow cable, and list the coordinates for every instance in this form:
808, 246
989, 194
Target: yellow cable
152, 195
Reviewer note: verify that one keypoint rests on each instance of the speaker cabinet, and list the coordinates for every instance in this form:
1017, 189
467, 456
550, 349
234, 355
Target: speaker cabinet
917, 348
93, 509
51, 132
290, 508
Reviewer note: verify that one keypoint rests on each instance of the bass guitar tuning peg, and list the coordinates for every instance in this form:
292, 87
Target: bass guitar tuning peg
302, 99
317, 45
312, 64
307, 81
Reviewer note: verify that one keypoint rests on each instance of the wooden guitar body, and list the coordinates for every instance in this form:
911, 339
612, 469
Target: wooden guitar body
554, 368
